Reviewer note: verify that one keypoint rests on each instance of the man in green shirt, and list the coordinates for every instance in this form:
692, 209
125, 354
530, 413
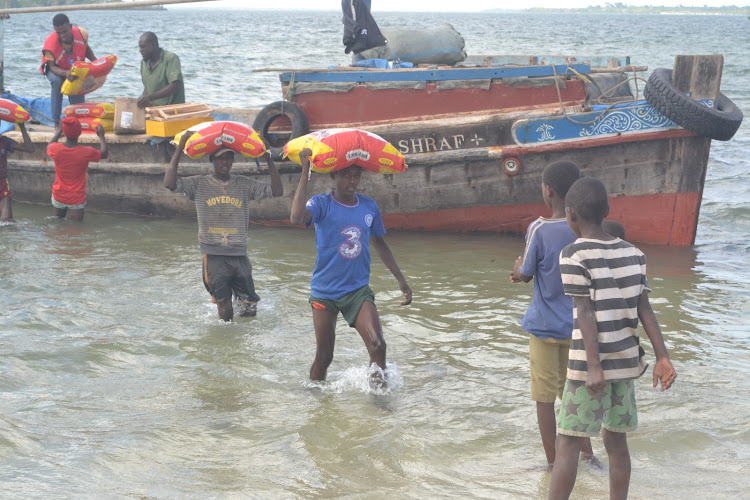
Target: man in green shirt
161, 74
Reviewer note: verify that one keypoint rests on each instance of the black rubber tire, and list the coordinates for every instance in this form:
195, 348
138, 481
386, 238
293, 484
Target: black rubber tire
267, 115
720, 123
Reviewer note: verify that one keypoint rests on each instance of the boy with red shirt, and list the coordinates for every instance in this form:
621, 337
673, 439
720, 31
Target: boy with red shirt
71, 166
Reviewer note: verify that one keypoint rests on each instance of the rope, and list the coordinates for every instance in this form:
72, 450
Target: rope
289, 91
602, 95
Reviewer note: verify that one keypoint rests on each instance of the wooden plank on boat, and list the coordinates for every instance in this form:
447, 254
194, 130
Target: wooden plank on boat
175, 112
421, 75
698, 76
527, 60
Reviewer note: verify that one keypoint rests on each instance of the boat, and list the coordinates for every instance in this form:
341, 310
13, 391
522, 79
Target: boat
476, 137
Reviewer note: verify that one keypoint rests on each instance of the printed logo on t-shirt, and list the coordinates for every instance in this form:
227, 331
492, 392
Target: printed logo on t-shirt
310, 203
352, 247
368, 220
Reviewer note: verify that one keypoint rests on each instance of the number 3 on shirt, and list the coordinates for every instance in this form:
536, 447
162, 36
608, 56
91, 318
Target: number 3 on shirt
352, 247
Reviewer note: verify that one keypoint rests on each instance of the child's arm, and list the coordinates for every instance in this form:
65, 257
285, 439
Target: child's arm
516, 276
299, 214
102, 142
27, 146
663, 369
587, 323
277, 188
56, 135
384, 251
170, 176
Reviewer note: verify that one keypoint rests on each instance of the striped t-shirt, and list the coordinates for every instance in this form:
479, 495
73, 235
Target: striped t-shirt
223, 210
613, 274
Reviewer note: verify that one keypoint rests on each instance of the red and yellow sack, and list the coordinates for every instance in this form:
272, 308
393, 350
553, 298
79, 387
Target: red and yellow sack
88, 124
91, 75
91, 110
209, 137
12, 112
337, 149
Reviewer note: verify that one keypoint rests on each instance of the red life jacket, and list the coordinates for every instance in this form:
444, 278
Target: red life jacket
53, 44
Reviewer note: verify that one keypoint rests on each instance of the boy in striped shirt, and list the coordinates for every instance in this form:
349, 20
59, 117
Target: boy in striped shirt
606, 277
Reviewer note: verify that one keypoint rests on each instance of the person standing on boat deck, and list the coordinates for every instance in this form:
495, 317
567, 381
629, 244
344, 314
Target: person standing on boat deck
549, 318
67, 45
8, 145
161, 74
222, 202
344, 223
71, 167
606, 277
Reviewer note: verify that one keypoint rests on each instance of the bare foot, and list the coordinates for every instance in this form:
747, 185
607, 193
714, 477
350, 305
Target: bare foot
592, 461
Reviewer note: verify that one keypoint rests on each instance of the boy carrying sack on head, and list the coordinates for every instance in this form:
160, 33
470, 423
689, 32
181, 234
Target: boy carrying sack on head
606, 277
549, 318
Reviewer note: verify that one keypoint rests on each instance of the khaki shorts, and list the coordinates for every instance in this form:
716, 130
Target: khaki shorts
548, 364
583, 415
348, 305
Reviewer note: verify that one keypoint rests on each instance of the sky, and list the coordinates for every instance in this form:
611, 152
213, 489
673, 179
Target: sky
455, 5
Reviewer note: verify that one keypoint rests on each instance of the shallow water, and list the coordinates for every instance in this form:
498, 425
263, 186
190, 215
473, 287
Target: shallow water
118, 380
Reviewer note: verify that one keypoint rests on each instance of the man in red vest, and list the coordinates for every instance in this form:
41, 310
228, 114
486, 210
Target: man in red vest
67, 45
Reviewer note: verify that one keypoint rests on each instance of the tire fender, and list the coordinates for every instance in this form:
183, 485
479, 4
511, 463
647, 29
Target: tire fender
267, 115
720, 123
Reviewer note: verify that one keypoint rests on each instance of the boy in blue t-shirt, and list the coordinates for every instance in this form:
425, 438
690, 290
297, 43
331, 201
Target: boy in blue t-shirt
344, 224
549, 318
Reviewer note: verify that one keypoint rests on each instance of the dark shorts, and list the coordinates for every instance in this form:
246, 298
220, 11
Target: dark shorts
5, 191
348, 305
224, 275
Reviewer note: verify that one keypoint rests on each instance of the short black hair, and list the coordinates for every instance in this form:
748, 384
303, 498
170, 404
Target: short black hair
614, 228
59, 20
588, 197
150, 36
560, 175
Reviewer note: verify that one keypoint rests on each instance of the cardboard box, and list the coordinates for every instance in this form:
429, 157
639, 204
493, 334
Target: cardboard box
172, 127
129, 118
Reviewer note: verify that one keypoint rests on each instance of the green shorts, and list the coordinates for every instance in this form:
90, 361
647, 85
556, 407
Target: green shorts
613, 408
348, 305
63, 206
548, 364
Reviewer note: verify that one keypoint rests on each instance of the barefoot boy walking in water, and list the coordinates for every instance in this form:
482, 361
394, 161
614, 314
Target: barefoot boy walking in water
549, 319
344, 223
606, 277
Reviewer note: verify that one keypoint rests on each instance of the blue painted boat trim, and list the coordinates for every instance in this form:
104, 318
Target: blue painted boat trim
423, 75
635, 117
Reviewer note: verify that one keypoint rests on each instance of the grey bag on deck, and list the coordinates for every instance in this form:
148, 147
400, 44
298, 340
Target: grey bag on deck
437, 45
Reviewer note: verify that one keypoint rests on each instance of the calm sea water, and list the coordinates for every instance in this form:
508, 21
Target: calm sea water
118, 381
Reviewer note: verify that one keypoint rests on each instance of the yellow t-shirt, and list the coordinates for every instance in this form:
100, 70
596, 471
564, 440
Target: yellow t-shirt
68, 48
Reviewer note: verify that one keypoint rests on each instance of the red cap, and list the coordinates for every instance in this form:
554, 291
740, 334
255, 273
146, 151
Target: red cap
71, 127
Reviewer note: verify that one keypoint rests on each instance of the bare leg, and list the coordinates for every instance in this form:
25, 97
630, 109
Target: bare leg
368, 326
76, 215
566, 467
226, 312
616, 444
545, 416
6, 211
60, 212
324, 322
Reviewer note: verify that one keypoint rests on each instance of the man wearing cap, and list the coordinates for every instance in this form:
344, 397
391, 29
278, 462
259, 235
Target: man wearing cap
67, 45
222, 201
71, 166
161, 74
